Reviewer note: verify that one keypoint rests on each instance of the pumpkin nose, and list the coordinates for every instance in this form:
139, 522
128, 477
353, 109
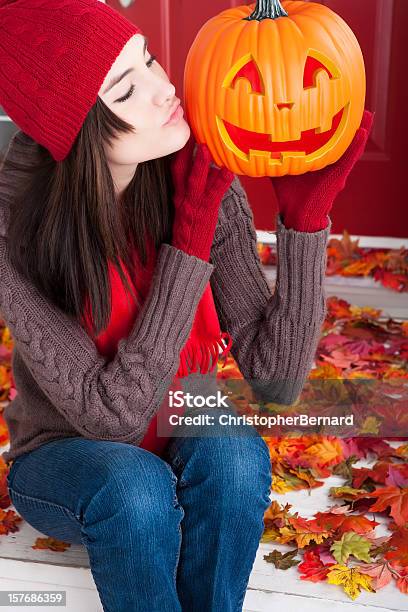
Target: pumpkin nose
285, 105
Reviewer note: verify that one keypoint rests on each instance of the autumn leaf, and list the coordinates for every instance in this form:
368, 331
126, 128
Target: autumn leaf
323, 550
393, 497
281, 485
336, 509
347, 492
389, 266
370, 425
286, 535
276, 512
365, 312
346, 247
338, 308
342, 358
397, 259
341, 523
312, 567
402, 581
345, 468
303, 537
326, 371
351, 544
379, 571
397, 476
305, 475
359, 268
350, 579
399, 542
327, 449
328, 521
402, 451
332, 341
362, 446
379, 549
282, 560
8, 521
275, 517
377, 474
266, 254
305, 525
51, 544
397, 282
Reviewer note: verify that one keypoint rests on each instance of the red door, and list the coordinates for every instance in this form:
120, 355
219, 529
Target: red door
374, 200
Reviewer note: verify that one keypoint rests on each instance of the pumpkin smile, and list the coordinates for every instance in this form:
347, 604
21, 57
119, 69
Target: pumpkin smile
249, 142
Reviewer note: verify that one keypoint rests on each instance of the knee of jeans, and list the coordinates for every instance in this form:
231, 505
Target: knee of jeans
135, 482
241, 465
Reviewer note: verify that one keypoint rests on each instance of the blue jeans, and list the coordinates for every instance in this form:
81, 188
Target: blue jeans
163, 534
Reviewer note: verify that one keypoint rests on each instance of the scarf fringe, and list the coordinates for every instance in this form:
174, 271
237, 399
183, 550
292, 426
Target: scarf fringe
199, 355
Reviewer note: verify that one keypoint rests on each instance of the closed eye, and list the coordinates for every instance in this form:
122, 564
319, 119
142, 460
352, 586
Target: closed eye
132, 88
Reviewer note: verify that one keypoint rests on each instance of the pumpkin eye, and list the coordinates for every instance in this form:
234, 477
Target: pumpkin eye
311, 67
250, 72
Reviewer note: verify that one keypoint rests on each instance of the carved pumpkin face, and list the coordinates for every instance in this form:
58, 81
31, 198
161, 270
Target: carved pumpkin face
278, 96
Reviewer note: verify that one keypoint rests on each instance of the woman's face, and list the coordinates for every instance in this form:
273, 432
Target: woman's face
145, 98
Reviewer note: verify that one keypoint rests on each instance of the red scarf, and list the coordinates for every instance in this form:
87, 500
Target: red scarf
202, 346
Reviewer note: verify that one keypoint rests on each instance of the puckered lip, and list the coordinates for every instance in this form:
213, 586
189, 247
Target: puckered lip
172, 110
310, 140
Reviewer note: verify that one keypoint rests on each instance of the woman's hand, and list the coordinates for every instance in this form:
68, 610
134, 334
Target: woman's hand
199, 190
305, 200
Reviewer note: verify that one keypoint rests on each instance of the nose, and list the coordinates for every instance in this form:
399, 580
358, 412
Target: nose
165, 95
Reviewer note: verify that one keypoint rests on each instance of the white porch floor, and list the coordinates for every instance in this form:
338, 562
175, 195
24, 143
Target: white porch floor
269, 589
22, 568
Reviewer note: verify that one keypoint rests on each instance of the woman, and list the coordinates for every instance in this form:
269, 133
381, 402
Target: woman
102, 197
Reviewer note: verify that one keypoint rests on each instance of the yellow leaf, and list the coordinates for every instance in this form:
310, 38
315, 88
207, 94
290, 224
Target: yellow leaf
370, 425
359, 311
347, 492
286, 535
328, 451
279, 485
304, 539
350, 579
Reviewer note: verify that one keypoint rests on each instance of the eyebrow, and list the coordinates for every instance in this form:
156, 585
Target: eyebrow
117, 79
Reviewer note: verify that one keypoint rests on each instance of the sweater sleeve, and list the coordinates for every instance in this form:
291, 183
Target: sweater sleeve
104, 399
274, 336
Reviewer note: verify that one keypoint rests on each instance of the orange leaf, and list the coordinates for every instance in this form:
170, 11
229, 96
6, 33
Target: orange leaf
399, 542
402, 582
8, 521
394, 497
51, 544
341, 523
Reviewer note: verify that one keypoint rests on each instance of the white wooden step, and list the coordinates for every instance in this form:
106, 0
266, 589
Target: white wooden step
22, 568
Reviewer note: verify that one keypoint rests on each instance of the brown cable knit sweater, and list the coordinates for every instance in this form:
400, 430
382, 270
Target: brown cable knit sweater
66, 388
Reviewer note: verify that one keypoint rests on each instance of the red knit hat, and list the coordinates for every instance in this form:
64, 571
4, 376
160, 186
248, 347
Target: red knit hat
54, 57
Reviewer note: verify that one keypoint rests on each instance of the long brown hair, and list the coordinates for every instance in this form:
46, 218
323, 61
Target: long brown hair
66, 221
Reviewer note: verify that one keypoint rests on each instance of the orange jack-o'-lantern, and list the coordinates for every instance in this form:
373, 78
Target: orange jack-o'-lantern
275, 89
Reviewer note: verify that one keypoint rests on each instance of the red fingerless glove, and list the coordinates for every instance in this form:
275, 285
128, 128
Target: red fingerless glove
305, 200
199, 190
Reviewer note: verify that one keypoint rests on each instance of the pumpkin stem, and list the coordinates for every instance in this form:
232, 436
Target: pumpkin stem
267, 9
